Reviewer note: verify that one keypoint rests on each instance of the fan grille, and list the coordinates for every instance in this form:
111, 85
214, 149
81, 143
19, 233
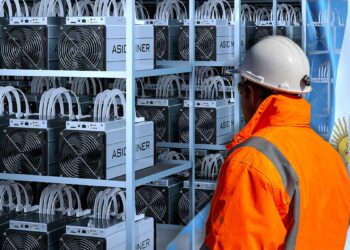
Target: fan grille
68, 242
202, 198
24, 150
23, 240
159, 116
205, 126
152, 202
81, 48
82, 154
24, 47
161, 41
205, 43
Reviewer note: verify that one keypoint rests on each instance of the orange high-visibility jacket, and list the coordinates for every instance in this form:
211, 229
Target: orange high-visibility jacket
282, 187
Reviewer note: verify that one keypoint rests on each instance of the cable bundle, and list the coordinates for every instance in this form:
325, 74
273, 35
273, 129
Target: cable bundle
165, 86
14, 196
103, 103
47, 106
110, 203
215, 9
6, 8
39, 85
120, 83
59, 199
210, 87
323, 70
288, 13
248, 13
211, 165
6, 93
263, 14
171, 9
84, 86
171, 155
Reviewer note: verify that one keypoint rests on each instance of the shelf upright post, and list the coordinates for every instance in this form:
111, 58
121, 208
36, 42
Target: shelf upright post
274, 17
192, 120
304, 24
236, 77
130, 125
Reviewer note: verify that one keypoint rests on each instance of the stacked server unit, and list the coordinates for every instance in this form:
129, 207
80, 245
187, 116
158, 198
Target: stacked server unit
102, 234
35, 231
30, 146
214, 41
164, 113
166, 33
99, 44
158, 199
30, 43
214, 122
97, 150
204, 191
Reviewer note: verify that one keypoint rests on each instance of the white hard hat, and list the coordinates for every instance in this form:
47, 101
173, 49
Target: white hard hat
276, 62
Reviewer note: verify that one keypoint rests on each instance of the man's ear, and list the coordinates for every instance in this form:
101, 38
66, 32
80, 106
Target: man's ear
254, 96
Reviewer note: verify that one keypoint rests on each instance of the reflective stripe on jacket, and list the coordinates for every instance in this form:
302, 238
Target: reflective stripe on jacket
282, 187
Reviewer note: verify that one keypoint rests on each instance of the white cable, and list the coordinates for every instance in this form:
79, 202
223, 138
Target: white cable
6, 3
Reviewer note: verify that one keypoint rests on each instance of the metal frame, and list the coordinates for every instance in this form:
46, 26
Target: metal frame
132, 178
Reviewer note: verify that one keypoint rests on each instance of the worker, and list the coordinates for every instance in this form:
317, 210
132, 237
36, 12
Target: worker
282, 186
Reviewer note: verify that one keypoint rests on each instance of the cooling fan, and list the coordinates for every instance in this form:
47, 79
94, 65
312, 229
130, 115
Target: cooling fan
205, 43
13, 239
202, 198
158, 200
152, 202
213, 42
205, 124
98, 44
24, 151
81, 154
159, 117
81, 48
70, 242
161, 41
24, 47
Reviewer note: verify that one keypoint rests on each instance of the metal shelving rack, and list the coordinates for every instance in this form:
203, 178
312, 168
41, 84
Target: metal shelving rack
133, 178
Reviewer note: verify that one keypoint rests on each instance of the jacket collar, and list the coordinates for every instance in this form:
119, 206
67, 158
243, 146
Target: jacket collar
276, 110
